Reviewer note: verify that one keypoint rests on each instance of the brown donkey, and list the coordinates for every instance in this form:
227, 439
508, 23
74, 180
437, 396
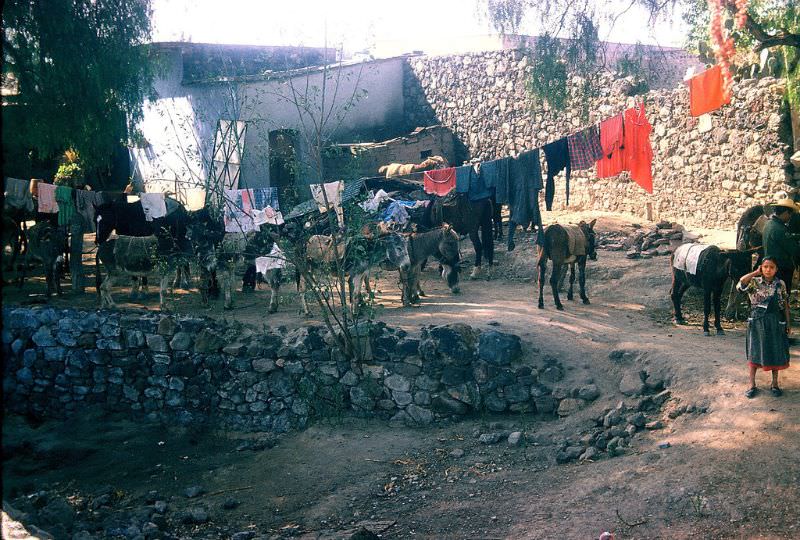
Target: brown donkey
566, 244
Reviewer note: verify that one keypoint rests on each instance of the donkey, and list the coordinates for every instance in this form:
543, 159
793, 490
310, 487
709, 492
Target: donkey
566, 244
440, 243
46, 242
473, 218
128, 219
321, 251
135, 256
714, 267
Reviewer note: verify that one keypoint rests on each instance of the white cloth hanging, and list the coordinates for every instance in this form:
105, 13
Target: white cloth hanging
275, 260
267, 216
333, 191
154, 205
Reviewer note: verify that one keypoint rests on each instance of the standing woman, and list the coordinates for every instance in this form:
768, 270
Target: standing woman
768, 327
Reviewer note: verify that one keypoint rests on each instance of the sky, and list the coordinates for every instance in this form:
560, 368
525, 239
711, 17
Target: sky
384, 27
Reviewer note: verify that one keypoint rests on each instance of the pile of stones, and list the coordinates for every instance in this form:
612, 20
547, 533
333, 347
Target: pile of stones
645, 243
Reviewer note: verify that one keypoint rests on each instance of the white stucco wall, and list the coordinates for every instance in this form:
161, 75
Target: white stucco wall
179, 124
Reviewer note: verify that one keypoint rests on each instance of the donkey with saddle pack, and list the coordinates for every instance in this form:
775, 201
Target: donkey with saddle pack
566, 245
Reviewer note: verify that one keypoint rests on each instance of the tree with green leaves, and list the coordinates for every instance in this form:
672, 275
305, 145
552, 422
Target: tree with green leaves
82, 72
753, 26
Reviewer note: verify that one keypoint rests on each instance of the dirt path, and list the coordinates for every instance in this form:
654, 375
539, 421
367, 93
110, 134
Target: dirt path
729, 472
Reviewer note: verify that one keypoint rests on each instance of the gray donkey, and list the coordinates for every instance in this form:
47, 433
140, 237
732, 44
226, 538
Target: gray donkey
440, 243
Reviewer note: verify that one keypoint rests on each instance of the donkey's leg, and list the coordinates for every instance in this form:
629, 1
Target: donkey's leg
571, 281
554, 285
303, 285
474, 236
675, 294
487, 238
542, 264
226, 281
582, 280
274, 281
733, 301
706, 307
105, 291
162, 287
718, 307
135, 294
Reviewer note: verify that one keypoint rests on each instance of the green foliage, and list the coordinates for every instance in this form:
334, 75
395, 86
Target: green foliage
82, 70
69, 174
565, 73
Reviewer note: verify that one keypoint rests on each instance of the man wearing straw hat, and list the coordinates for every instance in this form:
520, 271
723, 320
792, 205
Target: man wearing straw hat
778, 243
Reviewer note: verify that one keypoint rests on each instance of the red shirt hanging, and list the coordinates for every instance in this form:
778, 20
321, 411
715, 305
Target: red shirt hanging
706, 93
440, 181
638, 153
611, 141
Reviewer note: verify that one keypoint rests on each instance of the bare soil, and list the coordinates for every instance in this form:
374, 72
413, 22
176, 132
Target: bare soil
730, 472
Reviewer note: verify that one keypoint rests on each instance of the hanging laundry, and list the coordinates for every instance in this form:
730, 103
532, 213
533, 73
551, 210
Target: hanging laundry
492, 173
86, 203
706, 93
47, 198
611, 141
266, 197
35, 187
556, 154
638, 152
440, 181
17, 194
154, 205
238, 210
463, 177
396, 213
65, 203
194, 198
374, 201
333, 192
520, 188
477, 187
274, 261
267, 216
584, 149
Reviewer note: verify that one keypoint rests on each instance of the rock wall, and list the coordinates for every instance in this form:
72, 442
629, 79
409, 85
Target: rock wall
202, 371
700, 179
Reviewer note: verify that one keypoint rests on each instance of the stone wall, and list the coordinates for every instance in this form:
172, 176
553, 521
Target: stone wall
700, 179
191, 371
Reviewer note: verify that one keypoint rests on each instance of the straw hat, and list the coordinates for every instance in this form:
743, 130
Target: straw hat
787, 203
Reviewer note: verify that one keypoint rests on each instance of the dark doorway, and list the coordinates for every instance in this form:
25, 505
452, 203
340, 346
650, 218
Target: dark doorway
283, 166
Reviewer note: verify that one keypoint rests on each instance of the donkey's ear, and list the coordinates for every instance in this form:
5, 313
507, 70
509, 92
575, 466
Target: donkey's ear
592, 223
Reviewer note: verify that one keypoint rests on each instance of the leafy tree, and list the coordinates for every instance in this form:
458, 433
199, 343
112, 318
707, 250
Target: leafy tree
760, 24
82, 71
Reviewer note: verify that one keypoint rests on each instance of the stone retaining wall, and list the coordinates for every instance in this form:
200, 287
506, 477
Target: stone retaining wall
700, 179
197, 370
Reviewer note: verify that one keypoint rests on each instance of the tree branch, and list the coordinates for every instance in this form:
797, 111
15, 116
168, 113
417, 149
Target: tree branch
766, 40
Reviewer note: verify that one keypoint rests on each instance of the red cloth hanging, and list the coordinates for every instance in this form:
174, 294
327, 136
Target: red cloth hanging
611, 141
638, 152
440, 181
706, 92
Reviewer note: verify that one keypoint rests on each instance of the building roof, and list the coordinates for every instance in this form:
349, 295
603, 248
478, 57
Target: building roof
211, 61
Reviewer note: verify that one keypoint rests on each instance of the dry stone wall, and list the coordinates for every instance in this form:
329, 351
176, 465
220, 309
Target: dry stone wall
191, 371
700, 179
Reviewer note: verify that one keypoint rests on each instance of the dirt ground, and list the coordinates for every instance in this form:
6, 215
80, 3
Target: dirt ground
729, 472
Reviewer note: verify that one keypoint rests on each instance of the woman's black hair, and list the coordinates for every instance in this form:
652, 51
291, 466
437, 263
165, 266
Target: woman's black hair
769, 258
